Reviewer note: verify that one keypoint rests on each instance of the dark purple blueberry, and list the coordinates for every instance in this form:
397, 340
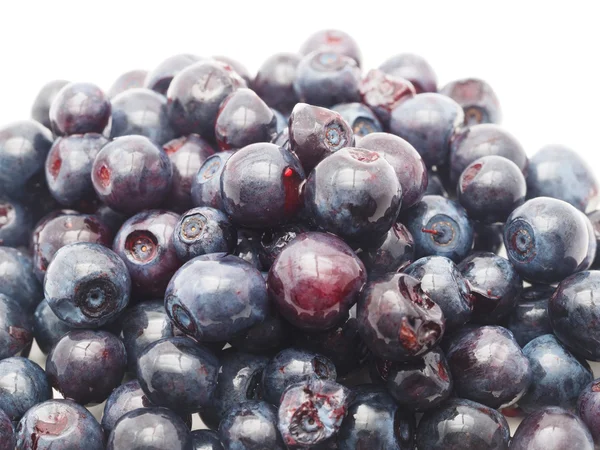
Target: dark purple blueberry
127, 397
111, 218
333, 40
592, 245
206, 184
87, 285
237, 67
360, 118
477, 141
203, 230
16, 327
15, 223
423, 384
205, 440
248, 247
315, 280
47, 327
552, 427
462, 424
397, 320
178, 373
429, 122
435, 186
131, 174
405, 160
244, 119
216, 297
291, 366
446, 286
440, 227
145, 243
260, 186
79, 108
529, 318
18, 279
67, 227
266, 337
129, 80
85, 365
23, 384
546, 240
588, 408
187, 154
558, 377
281, 124
8, 438
251, 425
594, 218
195, 95
59, 424
315, 133
353, 193
383, 92
150, 428
487, 238
312, 412
239, 380
40, 110
274, 240
141, 112
414, 68
477, 98
161, 76
326, 78
274, 81
395, 252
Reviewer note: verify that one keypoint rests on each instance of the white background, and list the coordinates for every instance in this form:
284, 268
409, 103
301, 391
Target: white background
541, 58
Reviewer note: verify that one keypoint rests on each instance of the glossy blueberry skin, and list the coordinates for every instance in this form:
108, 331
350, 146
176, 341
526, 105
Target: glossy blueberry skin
40, 110
360, 118
594, 218
203, 230
63, 228
206, 440
477, 99
131, 174
588, 408
414, 68
395, 252
336, 41
251, 425
461, 424
16, 327
558, 377
259, 198
79, 108
353, 193
546, 240
237, 67
429, 122
23, 149
178, 373
59, 425
47, 327
383, 92
315, 133
111, 218
8, 438
187, 154
405, 160
244, 119
312, 412
435, 186
264, 338
316, 296
239, 380
194, 97
440, 227
477, 141
551, 427
325, 78
272, 241
529, 318
129, 80
274, 81
18, 279
161, 76
291, 366
86, 365
557, 171
145, 244
150, 429
127, 397
141, 112
206, 183
23, 384
397, 320
15, 223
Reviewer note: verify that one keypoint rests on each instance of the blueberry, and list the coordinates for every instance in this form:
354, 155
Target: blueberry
8, 439
206, 184
588, 261
274, 81
86, 285
23, 384
594, 218
435, 186
18, 279
360, 118
40, 110
281, 124
145, 244
487, 237
414, 68
127, 397
16, 327
178, 373
86, 365
251, 425
315, 280
111, 218
15, 223
249, 247
47, 327
274, 240
333, 40
529, 319
59, 424
237, 67
558, 377
131, 174
206, 440
383, 92
132, 79
161, 76
477, 98
395, 252
266, 337
588, 408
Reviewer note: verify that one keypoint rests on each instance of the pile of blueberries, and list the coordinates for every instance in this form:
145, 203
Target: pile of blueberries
308, 259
